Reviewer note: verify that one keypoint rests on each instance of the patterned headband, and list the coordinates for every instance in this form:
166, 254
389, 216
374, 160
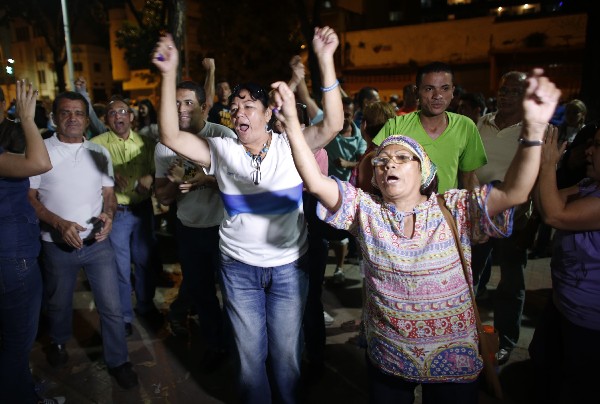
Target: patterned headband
428, 168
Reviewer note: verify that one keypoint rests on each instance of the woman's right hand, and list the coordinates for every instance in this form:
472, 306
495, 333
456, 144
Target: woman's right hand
25, 100
166, 56
283, 103
551, 151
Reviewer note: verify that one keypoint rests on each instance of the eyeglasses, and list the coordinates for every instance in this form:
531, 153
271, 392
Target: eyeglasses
510, 92
255, 163
397, 158
114, 112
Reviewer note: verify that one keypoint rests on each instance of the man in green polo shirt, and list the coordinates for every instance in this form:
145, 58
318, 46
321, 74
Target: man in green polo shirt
132, 236
452, 141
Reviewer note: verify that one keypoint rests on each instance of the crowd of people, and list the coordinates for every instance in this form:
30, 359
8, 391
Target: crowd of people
262, 182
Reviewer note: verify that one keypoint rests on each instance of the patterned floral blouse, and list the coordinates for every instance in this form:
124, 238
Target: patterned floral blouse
419, 315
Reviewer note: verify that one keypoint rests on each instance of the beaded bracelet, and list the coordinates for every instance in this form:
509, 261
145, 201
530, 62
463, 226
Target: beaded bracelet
331, 87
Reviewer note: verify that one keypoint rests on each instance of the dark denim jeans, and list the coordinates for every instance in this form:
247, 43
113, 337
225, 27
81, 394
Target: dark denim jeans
199, 257
61, 265
509, 298
388, 389
318, 249
265, 307
20, 302
565, 360
133, 241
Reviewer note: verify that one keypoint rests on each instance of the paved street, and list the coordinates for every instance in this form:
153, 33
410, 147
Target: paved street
169, 368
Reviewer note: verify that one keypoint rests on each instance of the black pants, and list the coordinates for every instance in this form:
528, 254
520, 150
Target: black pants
384, 389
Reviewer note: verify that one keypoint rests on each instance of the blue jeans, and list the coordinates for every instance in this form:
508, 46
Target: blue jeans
199, 258
132, 238
265, 308
61, 265
20, 302
388, 389
509, 298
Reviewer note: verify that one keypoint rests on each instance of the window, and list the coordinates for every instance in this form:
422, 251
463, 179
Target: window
39, 55
41, 76
97, 67
78, 66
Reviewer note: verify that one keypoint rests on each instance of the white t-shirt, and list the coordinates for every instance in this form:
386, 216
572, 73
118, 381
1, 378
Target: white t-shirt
264, 224
201, 207
500, 147
72, 189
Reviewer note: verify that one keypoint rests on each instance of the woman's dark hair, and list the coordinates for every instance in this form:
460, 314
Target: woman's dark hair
151, 113
12, 137
256, 92
432, 188
41, 117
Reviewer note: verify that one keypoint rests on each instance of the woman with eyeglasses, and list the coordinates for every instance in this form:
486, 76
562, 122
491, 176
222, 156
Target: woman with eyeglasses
263, 242
419, 314
20, 275
564, 348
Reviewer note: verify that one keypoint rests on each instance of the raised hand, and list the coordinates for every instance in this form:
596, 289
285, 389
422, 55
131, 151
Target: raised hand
551, 150
283, 103
325, 41
80, 84
25, 100
539, 102
165, 56
208, 64
297, 67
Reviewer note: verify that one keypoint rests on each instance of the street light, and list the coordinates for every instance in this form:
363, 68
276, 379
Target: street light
9, 68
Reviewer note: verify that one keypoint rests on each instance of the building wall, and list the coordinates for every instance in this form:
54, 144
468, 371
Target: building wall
475, 47
33, 62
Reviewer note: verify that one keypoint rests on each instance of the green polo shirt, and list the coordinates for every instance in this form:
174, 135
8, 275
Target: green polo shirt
132, 158
458, 148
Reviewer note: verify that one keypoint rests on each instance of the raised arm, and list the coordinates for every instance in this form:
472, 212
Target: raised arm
298, 84
96, 125
539, 102
35, 160
194, 148
324, 188
209, 82
325, 42
559, 208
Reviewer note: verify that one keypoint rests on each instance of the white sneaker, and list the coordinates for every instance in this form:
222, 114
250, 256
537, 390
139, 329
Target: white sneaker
338, 276
328, 319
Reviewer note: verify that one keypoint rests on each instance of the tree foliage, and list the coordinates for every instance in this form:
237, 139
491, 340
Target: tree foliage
138, 38
250, 40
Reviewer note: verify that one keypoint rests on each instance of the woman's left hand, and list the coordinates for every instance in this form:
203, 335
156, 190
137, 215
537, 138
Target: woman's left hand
25, 100
325, 41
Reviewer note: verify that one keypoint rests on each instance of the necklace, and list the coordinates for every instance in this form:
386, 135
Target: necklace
261, 154
256, 160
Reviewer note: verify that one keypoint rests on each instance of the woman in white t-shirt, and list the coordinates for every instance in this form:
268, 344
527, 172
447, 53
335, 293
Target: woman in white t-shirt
263, 234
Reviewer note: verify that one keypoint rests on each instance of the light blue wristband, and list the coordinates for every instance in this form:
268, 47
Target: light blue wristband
331, 87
